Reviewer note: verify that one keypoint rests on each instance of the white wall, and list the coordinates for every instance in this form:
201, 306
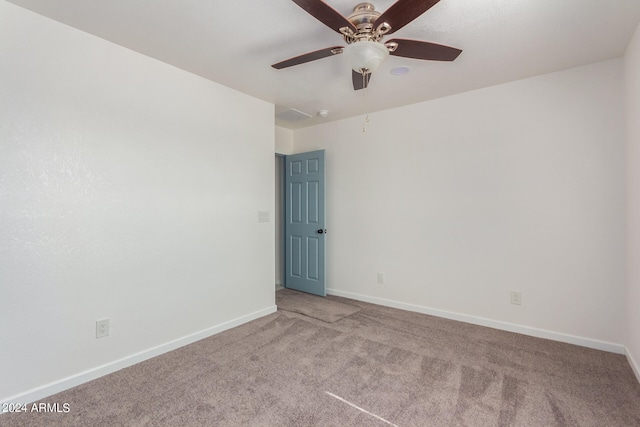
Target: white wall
129, 189
284, 140
460, 200
632, 91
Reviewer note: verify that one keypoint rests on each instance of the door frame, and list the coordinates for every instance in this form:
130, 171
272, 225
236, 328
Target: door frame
281, 256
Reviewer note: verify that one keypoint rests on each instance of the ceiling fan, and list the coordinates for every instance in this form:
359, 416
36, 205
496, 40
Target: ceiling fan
363, 32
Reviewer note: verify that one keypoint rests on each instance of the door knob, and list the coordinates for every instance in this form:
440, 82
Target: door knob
321, 231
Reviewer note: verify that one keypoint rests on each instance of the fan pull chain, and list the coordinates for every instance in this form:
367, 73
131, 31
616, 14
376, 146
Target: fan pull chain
364, 97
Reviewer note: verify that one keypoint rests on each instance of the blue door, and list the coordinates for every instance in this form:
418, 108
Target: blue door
304, 222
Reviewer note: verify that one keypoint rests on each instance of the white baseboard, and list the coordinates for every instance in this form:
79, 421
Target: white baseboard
505, 326
634, 365
99, 371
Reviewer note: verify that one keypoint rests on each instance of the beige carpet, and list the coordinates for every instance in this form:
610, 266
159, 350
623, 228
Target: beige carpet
376, 367
321, 308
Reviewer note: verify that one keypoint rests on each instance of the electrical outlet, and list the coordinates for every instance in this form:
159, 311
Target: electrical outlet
516, 297
381, 278
102, 328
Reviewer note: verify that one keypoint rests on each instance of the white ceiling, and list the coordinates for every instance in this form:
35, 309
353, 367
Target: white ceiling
234, 43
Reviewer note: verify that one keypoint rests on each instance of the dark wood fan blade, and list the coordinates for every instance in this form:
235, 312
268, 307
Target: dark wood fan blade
358, 81
325, 14
404, 11
424, 50
308, 57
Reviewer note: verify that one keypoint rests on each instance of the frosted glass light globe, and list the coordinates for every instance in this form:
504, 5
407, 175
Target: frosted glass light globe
366, 55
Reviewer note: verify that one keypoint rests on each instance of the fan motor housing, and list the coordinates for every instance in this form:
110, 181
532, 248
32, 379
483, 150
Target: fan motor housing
364, 18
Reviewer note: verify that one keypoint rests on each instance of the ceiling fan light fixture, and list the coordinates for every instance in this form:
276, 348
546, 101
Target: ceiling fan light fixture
366, 56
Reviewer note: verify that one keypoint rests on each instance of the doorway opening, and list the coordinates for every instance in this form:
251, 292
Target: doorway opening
300, 222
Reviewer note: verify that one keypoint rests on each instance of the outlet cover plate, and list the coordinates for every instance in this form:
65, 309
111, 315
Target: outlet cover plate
516, 297
102, 328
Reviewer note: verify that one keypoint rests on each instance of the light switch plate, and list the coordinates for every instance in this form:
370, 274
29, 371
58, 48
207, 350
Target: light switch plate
263, 216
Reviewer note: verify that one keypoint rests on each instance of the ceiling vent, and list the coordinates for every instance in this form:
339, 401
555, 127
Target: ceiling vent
292, 115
